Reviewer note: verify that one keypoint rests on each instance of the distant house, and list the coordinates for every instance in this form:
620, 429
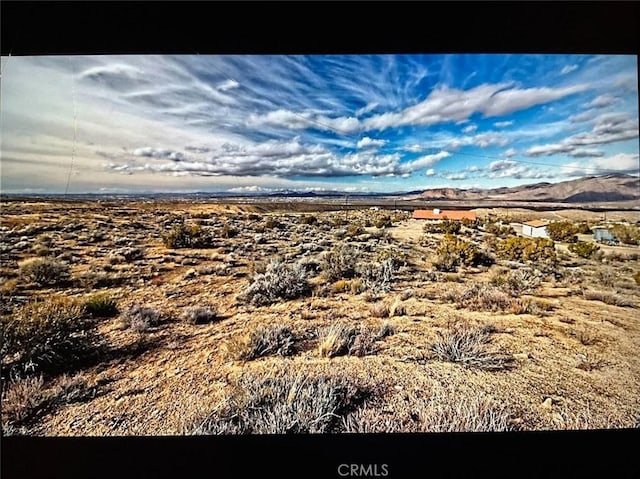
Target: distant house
603, 235
437, 214
535, 229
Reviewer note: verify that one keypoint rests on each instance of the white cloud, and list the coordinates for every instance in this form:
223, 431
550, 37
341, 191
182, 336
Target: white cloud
426, 161
430, 172
503, 124
456, 176
620, 163
469, 129
601, 101
510, 152
367, 142
512, 169
415, 148
228, 85
568, 69
367, 108
582, 117
586, 153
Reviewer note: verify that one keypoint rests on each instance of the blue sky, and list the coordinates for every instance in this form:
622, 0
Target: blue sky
349, 123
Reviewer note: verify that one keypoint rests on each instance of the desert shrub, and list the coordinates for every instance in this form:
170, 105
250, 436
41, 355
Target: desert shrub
468, 345
609, 297
188, 236
454, 252
308, 219
279, 281
272, 223
382, 221
336, 340
450, 226
46, 333
140, 318
377, 277
386, 329
398, 256
363, 344
562, 231
380, 310
129, 253
340, 262
21, 397
263, 340
101, 305
283, 404
480, 297
627, 234
522, 249
501, 231
584, 249
228, 231
355, 229
607, 277
97, 279
199, 314
583, 228
636, 278
519, 281
44, 271
469, 223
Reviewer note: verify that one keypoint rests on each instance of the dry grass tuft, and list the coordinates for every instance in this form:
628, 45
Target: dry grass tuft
273, 339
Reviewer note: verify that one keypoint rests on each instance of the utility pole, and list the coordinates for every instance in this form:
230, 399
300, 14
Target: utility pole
346, 210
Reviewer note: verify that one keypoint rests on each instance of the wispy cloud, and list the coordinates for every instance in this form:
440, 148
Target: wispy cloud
568, 69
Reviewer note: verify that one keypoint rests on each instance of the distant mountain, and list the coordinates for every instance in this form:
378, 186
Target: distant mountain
610, 188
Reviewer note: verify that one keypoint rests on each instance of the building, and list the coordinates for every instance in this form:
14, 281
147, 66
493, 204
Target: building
603, 235
437, 214
535, 229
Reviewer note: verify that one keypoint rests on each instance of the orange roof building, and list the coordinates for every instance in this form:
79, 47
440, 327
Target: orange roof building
437, 214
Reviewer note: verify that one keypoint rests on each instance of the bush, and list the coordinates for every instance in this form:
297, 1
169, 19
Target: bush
44, 271
468, 345
21, 397
188, 236
501, 231
528, 249
481, 297
382, 222
609, 297
336, 340
340, 262
279, 281
308, 220
199, 315
283, 404
562, 231
140, 318
377, 277
627, 234
454, 252
273, 339
101, 306
46, 333
519, 281
636, 278
584, 249
450, 226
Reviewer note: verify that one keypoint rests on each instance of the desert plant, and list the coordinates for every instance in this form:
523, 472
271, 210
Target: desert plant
450, 226
377, 277
454, 252
584, 249
21, 397
308, 219
140, 318
199, 314
609, 297
283, 404
468, 345
380, 310
479, 296
528, 249
263, 340
46, 333
336, 340
562, 231
382, 222
44, 271
279, 281
627, 234
519, 281
636, 278
340, 262
101, 305
188, 236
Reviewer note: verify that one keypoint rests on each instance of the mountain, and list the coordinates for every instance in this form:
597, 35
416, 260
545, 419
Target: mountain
609, 188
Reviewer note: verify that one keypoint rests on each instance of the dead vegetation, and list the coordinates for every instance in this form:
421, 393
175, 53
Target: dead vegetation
381, 324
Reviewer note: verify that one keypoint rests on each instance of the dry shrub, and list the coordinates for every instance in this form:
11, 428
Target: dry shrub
377, 277
480, 297
199, 314
380, 310
140, 318
47, 333
519, 281
590, 363
283, 404
101, 305
609, 297
336, 340
44, 271
469, 345
279, 281
263, 340
340, 262
586, 336
21, 397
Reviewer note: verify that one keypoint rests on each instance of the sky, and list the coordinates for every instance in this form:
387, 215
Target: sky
352, 123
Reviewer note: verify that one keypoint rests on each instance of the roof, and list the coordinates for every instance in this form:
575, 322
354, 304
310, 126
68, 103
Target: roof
448, 214
536, 223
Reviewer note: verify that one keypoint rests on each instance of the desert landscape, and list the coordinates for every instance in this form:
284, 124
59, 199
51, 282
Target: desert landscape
215, 316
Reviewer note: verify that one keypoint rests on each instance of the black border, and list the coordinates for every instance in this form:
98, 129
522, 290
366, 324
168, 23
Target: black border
46, 28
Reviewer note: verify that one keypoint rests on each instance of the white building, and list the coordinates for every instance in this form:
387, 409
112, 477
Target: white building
535, 229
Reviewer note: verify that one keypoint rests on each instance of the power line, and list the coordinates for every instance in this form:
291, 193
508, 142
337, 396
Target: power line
75, 128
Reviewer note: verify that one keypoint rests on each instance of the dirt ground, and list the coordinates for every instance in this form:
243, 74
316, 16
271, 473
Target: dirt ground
574, 361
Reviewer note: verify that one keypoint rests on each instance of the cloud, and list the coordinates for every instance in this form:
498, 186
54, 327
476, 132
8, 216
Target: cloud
512, 169
619, 163
582, 117
430, 172
503, 124
367, 108
456, 176
367, 142
510, 152
608, 128
601, 101
469, 129
228, 85
415, 148
568, 69
586, 153
426, 161
150, 152
299, 121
